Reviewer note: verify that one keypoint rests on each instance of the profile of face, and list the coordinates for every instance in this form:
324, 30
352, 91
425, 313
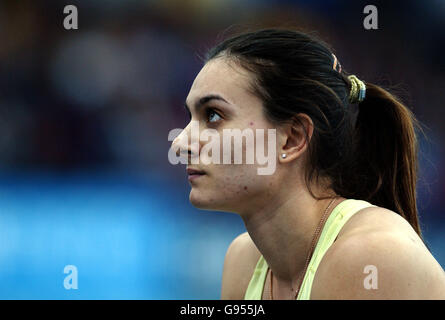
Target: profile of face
228, 186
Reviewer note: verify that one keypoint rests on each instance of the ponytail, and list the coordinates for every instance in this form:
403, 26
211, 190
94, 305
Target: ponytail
385, 154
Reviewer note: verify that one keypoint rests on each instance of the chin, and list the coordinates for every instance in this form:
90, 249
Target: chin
205, 202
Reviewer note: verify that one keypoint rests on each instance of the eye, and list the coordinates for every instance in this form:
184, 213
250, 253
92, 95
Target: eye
212, 116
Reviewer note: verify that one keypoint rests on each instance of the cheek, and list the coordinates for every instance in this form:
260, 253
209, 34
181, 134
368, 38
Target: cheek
238, 179
236, 182
227, 187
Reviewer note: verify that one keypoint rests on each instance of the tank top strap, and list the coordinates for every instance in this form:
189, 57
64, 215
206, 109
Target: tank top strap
256, 285
337, 219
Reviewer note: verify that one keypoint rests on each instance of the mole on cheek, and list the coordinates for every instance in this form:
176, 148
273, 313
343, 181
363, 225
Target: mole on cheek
245, 187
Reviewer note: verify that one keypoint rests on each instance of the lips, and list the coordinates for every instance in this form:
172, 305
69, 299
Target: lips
194, 173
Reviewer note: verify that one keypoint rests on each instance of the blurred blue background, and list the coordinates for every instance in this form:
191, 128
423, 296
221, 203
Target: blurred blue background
84, 119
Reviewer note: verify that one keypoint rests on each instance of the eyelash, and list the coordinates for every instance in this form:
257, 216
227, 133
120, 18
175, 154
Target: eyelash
207, 111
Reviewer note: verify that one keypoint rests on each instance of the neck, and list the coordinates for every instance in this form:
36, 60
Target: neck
283, 231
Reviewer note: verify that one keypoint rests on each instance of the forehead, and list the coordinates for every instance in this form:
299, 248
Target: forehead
219, 76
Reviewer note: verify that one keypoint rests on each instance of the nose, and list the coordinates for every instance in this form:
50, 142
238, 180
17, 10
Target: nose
184, 146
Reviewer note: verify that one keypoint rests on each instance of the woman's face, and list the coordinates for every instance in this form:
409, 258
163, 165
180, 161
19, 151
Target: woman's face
226, 186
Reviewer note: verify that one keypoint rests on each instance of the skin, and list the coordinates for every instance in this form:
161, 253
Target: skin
280, 215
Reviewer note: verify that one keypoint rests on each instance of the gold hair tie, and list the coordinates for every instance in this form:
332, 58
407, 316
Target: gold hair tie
358, 89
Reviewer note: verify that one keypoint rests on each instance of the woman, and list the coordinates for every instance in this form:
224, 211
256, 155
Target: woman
337, 219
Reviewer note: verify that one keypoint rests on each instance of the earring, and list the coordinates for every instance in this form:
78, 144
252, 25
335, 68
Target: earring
283, 155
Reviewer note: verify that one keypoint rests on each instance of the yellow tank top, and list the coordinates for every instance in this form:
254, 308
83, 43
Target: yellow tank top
338, 217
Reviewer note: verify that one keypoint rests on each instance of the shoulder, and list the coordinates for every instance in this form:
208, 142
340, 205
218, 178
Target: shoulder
378, 256
240, 261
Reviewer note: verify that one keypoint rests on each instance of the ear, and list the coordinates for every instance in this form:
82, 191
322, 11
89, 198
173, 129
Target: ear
296, 137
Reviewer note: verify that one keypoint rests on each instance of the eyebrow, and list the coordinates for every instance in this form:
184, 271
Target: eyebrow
202, 101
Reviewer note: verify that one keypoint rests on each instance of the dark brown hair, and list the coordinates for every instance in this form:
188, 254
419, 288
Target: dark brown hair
367, 151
